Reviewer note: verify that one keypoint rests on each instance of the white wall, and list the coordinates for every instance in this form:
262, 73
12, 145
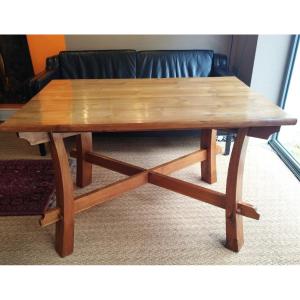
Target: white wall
272, 53
218, 43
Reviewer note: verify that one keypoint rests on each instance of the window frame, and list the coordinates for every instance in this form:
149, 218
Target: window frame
278, 147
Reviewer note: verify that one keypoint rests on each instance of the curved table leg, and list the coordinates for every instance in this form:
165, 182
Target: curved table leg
234, 221
64, 235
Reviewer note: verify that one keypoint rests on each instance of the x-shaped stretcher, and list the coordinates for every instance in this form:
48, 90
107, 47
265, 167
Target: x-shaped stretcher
68, 205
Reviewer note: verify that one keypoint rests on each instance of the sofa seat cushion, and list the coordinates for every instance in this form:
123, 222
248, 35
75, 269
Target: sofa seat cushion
174, 63
97, 64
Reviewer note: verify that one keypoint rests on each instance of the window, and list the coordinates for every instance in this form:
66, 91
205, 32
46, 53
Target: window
287, 142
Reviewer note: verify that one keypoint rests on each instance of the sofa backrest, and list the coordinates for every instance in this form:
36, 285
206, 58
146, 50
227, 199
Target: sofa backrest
141, 64
97, 64
174, 63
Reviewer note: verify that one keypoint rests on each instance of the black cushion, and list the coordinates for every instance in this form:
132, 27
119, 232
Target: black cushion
130, 64
174, 63
97, 64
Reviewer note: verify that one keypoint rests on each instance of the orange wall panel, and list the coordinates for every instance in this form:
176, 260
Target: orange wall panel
42, 46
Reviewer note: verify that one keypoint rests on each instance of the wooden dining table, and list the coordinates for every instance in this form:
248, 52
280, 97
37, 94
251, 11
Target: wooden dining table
80, 107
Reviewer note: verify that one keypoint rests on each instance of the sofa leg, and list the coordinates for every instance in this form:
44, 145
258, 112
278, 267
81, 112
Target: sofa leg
228, 143
42, 148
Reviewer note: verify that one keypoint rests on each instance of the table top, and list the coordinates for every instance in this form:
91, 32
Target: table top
145, 104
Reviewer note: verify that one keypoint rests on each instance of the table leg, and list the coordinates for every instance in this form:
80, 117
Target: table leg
84, 144
208, 166
64, 235
42, 148
234, 221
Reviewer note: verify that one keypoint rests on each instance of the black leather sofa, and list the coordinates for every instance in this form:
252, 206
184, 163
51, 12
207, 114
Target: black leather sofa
133, 64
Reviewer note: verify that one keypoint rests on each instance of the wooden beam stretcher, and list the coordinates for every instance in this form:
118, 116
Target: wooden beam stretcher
140, 176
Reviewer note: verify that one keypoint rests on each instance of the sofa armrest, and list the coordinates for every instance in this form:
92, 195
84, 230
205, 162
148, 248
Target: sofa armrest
52, 62
222, 72
220, 66
39, 81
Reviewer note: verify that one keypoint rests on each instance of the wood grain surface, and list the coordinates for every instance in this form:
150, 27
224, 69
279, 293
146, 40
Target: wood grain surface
145, 104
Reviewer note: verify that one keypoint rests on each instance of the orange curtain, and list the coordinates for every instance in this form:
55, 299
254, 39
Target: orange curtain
43, 46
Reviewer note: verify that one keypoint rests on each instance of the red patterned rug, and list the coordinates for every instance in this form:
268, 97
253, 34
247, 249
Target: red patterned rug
26, 187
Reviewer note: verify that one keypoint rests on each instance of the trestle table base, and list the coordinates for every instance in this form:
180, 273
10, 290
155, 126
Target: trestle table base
68, 205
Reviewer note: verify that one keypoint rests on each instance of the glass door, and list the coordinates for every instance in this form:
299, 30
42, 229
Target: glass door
287, 142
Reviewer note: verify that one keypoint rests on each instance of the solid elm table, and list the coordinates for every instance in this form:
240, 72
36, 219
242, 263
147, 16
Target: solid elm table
80, 107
